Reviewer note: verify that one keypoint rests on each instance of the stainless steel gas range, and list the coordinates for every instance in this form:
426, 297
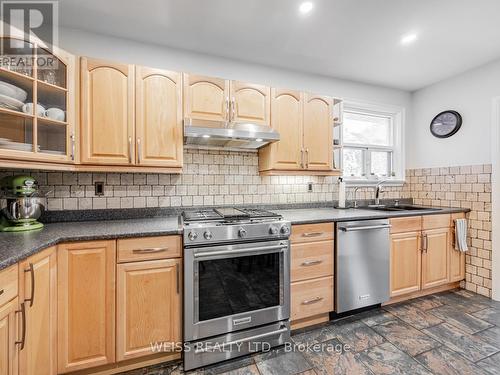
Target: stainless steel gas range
236, 283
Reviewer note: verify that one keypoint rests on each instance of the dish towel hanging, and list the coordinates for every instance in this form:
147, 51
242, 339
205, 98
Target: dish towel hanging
461, 235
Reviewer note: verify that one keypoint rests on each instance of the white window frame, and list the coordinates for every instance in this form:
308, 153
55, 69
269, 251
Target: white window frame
397, 117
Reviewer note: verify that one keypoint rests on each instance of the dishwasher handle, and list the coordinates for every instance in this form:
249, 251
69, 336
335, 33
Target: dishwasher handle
365, 227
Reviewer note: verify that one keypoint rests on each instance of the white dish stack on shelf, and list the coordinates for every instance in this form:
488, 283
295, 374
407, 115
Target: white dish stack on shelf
12, 97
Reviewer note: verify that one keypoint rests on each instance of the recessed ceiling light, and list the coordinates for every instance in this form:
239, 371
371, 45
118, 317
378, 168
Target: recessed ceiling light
408, 38
205, 136
306, 7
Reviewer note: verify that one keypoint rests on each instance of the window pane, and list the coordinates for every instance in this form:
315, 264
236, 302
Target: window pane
367, 129
353, 162
380, 163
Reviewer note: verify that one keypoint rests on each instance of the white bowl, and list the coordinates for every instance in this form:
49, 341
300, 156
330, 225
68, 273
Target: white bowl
13, 91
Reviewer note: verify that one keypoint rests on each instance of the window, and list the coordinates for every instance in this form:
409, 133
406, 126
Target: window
372, 139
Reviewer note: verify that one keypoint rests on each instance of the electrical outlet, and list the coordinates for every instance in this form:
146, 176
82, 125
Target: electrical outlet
309, 186
99, 188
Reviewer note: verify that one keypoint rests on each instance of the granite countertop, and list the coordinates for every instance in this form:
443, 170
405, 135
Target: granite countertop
320, 215
15, 247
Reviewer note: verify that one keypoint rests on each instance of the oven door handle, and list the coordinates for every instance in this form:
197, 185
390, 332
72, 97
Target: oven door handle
246, 339
239, 251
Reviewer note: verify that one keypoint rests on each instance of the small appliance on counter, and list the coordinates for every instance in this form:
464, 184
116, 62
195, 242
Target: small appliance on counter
23, 206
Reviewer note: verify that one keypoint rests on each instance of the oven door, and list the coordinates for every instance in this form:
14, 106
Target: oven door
234, 287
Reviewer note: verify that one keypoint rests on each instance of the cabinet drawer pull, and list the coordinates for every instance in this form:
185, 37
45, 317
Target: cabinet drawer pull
23, 325
150, 250
312, 234
311, 262
1, 292
32, 294
311, 301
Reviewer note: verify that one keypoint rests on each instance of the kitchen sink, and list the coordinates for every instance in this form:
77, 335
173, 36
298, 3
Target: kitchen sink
402, 207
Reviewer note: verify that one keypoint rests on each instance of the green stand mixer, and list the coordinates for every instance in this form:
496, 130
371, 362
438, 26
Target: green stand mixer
23, 206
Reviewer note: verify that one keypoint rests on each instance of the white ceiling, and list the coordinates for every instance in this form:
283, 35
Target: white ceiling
351, 39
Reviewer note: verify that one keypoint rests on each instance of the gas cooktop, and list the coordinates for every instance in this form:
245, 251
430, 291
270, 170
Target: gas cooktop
226, 214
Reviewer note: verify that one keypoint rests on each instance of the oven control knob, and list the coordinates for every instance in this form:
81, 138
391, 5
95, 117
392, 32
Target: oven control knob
273, 230
285, 230
207, 235
242, 233
192, 236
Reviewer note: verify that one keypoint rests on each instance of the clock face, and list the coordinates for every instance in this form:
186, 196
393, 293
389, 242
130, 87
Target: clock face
446, 124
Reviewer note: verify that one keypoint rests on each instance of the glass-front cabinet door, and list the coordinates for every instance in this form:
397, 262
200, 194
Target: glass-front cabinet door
37, 103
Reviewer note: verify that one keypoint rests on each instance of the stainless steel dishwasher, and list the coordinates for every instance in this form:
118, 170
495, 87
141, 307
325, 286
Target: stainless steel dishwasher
363, 264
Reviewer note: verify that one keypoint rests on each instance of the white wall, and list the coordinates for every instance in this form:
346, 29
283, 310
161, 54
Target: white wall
470, 94
122, 50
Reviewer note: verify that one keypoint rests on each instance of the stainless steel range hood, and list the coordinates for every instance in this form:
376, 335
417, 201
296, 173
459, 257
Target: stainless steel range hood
244, 136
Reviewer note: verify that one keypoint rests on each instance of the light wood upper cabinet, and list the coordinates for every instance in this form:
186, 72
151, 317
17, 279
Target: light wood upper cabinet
86, 304
435, 257
107, 112
406, 259
250, 103
148, 306
287, 120
206, 98
159, 136
8, 335
318, 132
38, 290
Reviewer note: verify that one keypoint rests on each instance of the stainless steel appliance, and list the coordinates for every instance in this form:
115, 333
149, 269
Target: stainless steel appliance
236, 283
363, 264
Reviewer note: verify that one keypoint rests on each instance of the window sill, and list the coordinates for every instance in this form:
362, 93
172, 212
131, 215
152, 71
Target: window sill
355, 182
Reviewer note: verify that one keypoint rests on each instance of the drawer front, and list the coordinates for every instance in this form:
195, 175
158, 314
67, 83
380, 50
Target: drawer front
436, 221
310, 298
149, 248
312, 260
8, 284
311, 232
406, 224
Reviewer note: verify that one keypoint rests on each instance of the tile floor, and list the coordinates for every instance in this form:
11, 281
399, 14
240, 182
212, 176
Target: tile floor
455, 332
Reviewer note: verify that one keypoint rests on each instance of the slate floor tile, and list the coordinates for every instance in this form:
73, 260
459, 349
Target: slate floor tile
247, 370
279, 362
491, 364
491, 336
333, 361
447, 362
356, 334
373, 317
426, 302
387, 359
490, 315
413, 316
315, 335
230, 365
470, 346
405, 337
461, 302
461, 319
470, 296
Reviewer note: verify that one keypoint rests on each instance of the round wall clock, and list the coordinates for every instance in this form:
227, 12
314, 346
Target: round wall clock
445, 124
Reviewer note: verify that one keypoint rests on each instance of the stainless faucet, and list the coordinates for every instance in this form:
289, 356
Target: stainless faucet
378, 190
355, 201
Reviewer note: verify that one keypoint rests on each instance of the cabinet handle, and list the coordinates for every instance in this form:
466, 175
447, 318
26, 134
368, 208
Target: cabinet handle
227, 109
302, 158
312, 234
130, 150
307, 158
453, 234
150, 250
1, 291
311, 301
177, 275
32, 295
139, 150
23, 324
311, 262
72, 147
425, 243
233, 108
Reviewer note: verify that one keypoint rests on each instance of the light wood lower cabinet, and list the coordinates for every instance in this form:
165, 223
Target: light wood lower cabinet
8, 335
406, 263
38, 291
436, 247
86, 304
148, 306
311, 298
